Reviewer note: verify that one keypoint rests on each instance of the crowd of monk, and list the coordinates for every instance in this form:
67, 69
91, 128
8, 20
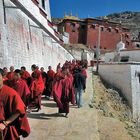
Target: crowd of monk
21, 92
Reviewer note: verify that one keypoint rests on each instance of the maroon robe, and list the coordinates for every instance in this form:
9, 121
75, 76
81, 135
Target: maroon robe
27, 77
37, 88
57, 93
10, 76
22, 89
51, 75
10, 103
71, 88
62, 93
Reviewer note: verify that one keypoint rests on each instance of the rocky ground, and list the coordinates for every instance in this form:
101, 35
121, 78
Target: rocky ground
104, 116
114, 115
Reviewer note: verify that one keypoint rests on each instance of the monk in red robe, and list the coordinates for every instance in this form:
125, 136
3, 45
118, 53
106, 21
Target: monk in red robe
45, 80
37, 87
25, 75
10, 75
5, 79
51, 75
50, 72
58, 75
61, 91
13, 119
72, 94
21, 87
58, 66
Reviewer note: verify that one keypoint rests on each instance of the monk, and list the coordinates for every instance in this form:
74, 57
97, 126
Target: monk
5, 79
10, 75
58, 75
21, 87
51, 74
58, 66
61, 92
5, 70
13, 119
72, 94
45, 80
25, 75
37, 87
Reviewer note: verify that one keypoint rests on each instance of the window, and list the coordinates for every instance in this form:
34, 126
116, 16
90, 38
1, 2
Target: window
117, 30
127, 43
102, 29
124, 58
109, 29
126, 35
43, 4
83, 27
92, 26
73, 27
94, 46
138, 45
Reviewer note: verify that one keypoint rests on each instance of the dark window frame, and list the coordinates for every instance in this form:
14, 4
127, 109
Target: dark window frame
43, 4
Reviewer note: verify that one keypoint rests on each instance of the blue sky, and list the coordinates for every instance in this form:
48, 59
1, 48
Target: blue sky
92, 8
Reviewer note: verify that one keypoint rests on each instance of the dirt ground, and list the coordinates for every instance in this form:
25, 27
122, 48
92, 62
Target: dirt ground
104, 116
114, 115
81, 124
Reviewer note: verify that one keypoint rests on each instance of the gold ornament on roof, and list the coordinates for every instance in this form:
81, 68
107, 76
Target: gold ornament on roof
70, 16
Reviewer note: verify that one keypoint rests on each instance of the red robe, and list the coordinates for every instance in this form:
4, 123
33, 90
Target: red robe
71, 94
5, 80
51, 74
62, 94
57, 93
10, 103
37, 83
22, 89
37, 88
25, 75
10, 75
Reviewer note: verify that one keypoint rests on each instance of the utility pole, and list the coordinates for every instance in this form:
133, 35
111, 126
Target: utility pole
98, 49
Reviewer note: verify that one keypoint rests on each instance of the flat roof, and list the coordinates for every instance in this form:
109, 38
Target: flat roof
121, 63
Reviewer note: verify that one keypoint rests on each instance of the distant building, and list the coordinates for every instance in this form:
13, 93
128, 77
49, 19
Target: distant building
85, 31
136, 41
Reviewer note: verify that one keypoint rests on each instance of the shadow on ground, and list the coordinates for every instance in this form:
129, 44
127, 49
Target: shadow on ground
51, 105
43, 116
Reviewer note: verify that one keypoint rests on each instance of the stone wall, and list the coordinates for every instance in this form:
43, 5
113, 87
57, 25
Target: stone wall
134, 55
21, 44
125, 78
